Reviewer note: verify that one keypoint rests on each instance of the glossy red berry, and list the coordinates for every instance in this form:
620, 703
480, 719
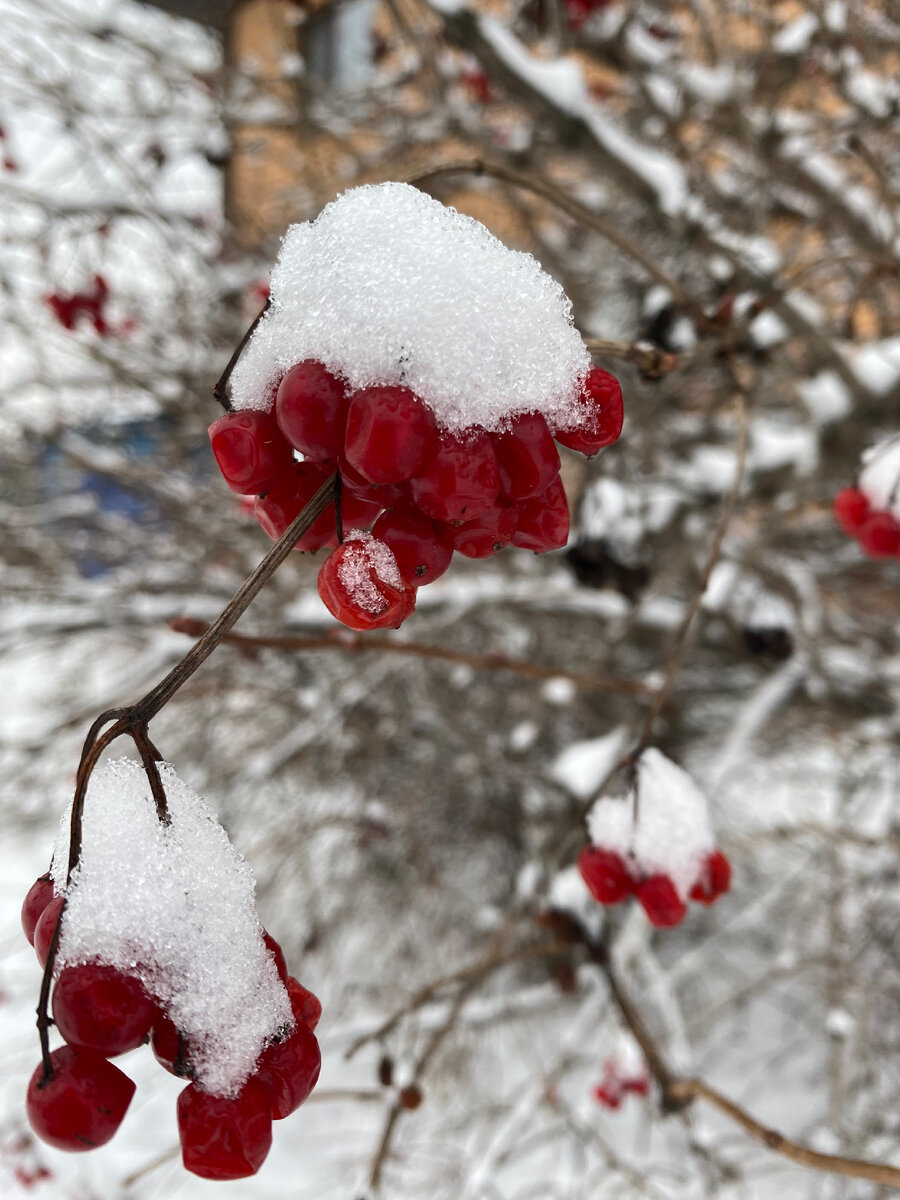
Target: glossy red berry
283, 504
879, 535
413, 538
278, 955
43, 931
851, 507
660, 901
715, 879
169, 1046
82, 1105
250, 450
543, 523
98, 1007
461, 479
39, 896
311, 410
222, 1138
605, 874
305, 1005
361, 584
484, 536
390, 433
527, 457
289, 1070
600, 415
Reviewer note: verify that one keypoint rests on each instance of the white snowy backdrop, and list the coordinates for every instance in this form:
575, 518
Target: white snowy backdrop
715, 186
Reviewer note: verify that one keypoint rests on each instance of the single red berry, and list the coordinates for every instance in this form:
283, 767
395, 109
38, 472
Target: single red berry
283, 504
600, 415
662, 904
527, 457
222, 1138
82, 1105
608, 1094
715, 879
461, 479
361, 584
311, 410
639, 1085
605, 874
413, 538
98, 1007
39, 896
169, 1046
278, 954
390, 433
250, 450
43, 931
484, 536
544, 522
851, 507
289, 1070
305, 1005
880, 535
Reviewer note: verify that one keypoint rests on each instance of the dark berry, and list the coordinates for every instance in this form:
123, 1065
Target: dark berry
361, 584
605, 874
660, 901
600, 415
289, 1070
527, 457
39, 896
169, 1046
410, 1097
851, 507
100, 1008
311, 410
222, 1138
250, 450
484, 536
82, 1105
413, 538
390, 433
461, 479
543, 523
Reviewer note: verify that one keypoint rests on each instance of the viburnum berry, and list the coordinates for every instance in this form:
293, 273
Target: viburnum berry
225, 1138
39, 896
361, 584
413, 538
43, 931
289, 1070
526, 456
283, 504
484, 536
600, 415
851, 507
605, 874
250, 450
879, 535
98, 1007
543, 523
278, 954
715, 879
461, 479
169, 1046
305, 1005
389, 435
660, 901
311, 410
82, 1104
609, 1094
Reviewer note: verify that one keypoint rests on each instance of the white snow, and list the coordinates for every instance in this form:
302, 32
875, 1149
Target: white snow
389, 286
880, 475
672, 833
583, 766
174, 905
826, 397
877, 364
366, 555
795, 37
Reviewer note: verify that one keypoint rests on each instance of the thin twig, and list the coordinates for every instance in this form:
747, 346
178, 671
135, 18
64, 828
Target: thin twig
220, 387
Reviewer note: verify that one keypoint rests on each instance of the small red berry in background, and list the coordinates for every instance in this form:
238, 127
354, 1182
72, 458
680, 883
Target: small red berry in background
879, 535
715, 879
82, 1104
360, 584
870, 511
851, 507
660, 901
605, 874
477, 84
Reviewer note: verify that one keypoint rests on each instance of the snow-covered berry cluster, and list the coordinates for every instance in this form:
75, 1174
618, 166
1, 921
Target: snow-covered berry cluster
870, 512
655, 844
207, 986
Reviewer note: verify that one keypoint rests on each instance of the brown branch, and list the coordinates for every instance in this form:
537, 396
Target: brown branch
221, 385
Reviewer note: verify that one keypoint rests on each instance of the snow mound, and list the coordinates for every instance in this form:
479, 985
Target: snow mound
671, 835
388, 286
174, 906
879, 478
368, 555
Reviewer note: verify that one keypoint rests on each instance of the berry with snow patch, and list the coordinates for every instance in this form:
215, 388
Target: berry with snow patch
361, 584
82, 1103
600, 415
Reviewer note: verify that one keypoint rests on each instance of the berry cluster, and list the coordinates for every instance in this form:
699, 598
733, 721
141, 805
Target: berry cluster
91, 304
423, 492
612, 878
876, 529
101, 1012
618, 1082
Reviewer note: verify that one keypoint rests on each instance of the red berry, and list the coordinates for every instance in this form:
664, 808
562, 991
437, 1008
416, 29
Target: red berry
289, 1070
278, 954
605, 874
283, 504
43, 931
461, 479
39, 896
880, 535
361, 584
662, 904
544, 522
100, 1008
527, 457
306, 1007
715, 879
82, 1105
311, 410
250, 450
608, 1094
484, 536
638, 1084
390, 432
169, 1046
222, 1138
851, 507
600, 415
413, 538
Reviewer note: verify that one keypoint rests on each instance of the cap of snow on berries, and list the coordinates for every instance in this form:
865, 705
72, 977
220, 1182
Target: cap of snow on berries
390, 287
172, 905
879, 479
870, 512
